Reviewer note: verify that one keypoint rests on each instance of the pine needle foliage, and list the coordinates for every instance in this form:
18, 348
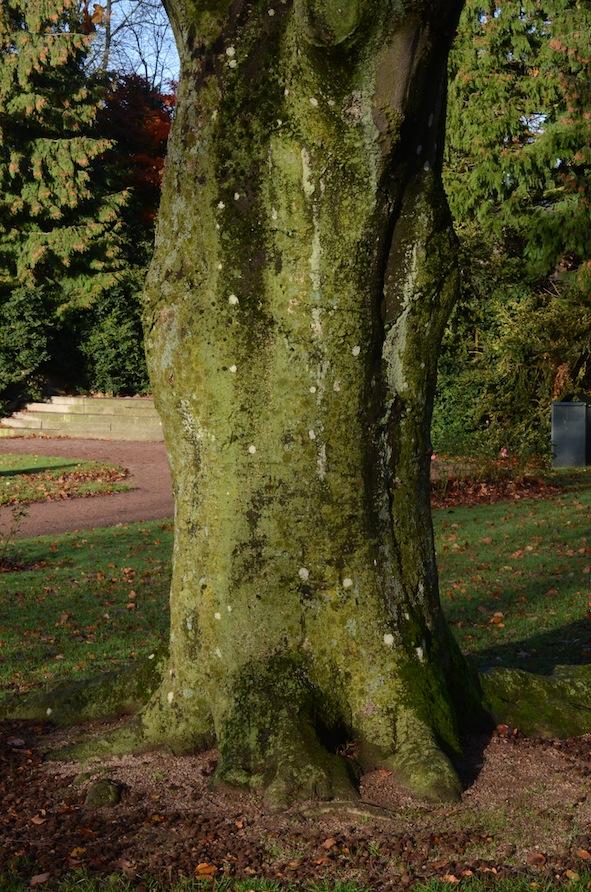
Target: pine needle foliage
60, 225
518, 176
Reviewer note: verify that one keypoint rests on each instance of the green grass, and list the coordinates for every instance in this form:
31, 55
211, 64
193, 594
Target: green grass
36, 478
78, 882
529, 561
69, 613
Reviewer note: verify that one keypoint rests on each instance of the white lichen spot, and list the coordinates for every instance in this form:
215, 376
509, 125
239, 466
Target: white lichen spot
48, 711
217, 226
190, 623
229, 608
426, 166
236, 196
279, 122
202, 581
321, 462
356, 350
336, 386
252, 449
307, 184
388, 639
188, 693
312, 389
232, 63
233, 300
151, 656
170, 696
312, 434
419, 150
220, 265
221, 205
303, 573
271, 11
347, 582
217, 615
286, 91
230, 51
313, 102
233, 369
274, 214
420, 651
218, 652
316, 324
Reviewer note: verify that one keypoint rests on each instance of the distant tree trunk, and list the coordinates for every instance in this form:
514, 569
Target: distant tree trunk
305, 267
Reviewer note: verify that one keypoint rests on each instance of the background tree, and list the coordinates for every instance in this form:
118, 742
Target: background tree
518, 177
60, 226
136, 119
80, 164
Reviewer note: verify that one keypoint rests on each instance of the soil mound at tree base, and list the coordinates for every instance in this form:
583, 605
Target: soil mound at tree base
526, 808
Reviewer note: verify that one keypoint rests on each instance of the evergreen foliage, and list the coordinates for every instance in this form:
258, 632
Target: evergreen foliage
80, 166
60, 219
518, 175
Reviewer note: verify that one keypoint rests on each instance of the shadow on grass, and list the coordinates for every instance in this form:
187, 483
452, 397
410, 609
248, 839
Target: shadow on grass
568, 645
39, 469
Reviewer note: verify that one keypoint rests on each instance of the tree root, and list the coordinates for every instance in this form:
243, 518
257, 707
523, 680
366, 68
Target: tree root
557, 705
120, 692
418, 763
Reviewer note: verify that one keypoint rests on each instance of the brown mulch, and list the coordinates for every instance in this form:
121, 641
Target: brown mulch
47, 487
468, 491
526, 807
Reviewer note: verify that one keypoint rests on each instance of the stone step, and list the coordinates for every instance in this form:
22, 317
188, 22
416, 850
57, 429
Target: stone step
61, 419
97, 407
92, 417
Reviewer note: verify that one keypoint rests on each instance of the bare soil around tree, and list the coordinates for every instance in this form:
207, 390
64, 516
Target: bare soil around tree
526, 807
149, 498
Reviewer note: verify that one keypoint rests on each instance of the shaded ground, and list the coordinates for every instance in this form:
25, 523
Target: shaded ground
149, 478
528, 809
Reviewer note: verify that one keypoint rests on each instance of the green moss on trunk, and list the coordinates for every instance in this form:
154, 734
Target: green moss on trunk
304, 268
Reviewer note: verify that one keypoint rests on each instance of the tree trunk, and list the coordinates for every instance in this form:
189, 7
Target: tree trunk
305, 267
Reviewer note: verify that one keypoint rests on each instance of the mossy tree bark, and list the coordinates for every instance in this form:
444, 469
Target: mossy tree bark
305, 267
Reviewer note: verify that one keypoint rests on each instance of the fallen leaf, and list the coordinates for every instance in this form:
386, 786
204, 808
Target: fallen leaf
39, 878
329, 843
37, 819
205, 870
536, 859
583, 853
450, 878
571, 874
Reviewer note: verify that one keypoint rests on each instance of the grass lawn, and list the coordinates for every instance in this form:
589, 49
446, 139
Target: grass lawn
515, 584
79, 883
37, 478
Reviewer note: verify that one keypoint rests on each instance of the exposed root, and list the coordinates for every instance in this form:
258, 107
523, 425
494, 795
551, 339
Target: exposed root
123, 741
109, 695
305, 770
418, 762
557, 705
157, 726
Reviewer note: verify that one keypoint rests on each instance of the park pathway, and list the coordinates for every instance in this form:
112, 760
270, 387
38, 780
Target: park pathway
149, 475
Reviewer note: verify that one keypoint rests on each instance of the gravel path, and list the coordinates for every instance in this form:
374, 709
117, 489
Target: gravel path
149, 475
